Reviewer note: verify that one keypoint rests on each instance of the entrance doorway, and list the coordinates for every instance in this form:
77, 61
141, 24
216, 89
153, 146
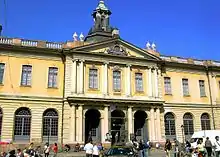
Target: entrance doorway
140, 125
92, 125
118, 131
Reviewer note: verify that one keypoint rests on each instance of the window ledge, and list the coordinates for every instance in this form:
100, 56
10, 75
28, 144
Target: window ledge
117, 93
1, 84
93, 89
186, 95
204, 96
29, 86
168, 94
139, 92
52, 87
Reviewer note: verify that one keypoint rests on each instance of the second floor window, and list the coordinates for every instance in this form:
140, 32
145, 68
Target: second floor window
202, 88
185, 85
117, 81
167, 85
2, 70
26, 75
139, 82
93, 78
52, 77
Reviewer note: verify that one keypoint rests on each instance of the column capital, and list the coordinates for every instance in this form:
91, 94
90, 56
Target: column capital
128, 65
81, 60
75, 59
130, 107
106, 62
149, 67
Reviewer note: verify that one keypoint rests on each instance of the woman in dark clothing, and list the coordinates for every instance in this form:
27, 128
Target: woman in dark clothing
141, 148
168, 147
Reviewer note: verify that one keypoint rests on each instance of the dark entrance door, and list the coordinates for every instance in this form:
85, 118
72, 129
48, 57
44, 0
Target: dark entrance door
118, 131
92, 125
140, 125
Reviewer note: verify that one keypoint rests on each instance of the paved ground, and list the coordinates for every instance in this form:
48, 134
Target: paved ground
154, 153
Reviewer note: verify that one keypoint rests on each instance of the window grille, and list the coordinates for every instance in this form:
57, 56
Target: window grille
167, 85
2, 70
170, 127
93, 78
185, 84
205, 122
50, 123
22, 124
202, 88
117, 81
188, 124
26, 75
52, 77
1, 115
139, 82
93, 131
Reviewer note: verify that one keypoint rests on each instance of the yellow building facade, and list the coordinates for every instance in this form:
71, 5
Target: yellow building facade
74, 91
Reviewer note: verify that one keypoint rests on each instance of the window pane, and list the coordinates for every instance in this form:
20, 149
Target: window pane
205, 122
52, 77
188, 124
2, 69
170, 128
202, 87
139, 81
185, 87
26, 75
116, 80
167, 85
50, 123
93, 78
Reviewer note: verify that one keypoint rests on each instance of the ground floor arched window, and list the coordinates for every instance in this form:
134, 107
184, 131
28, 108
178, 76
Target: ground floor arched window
22, 124
205, 121
188, 125
50, 125
170, 126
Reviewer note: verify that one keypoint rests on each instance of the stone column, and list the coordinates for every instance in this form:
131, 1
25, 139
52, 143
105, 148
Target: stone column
72, 130
149, 82
105, 78
74, 76
81, 81
158, 124
152, 124
80, 124
128, 84
130, 122
155, 83
102, 129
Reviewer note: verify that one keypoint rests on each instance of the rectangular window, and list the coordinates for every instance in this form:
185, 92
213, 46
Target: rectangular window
167, 85
117, 81
185, 85
52, 77
2, 70
26, 75
202, 88
93, 78
139, 82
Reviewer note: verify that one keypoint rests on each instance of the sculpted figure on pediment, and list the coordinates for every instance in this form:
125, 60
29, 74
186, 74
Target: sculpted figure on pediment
117, 50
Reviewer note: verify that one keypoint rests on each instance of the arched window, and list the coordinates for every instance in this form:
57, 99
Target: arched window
22, 124
205, 121
188, 124
1, 115
50, 125
169, 120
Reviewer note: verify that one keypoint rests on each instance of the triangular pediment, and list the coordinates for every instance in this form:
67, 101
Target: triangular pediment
117, 47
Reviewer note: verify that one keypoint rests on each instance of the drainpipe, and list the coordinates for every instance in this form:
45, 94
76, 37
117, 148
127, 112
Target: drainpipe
63, 57
210, 96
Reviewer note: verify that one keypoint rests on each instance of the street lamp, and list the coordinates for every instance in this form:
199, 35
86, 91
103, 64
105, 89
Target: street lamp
48, 137
182, 128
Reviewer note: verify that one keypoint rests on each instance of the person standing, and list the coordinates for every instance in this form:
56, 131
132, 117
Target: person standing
89, 149
55, 149
217, 146
46, 150
208, 146
168, 147
95, 152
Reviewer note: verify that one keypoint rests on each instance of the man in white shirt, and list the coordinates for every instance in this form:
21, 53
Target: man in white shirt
217, 146
89, 149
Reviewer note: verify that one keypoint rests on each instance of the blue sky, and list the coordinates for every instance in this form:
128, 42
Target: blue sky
187, 28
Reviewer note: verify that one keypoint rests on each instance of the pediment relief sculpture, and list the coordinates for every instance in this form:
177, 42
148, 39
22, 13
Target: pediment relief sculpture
117, 50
